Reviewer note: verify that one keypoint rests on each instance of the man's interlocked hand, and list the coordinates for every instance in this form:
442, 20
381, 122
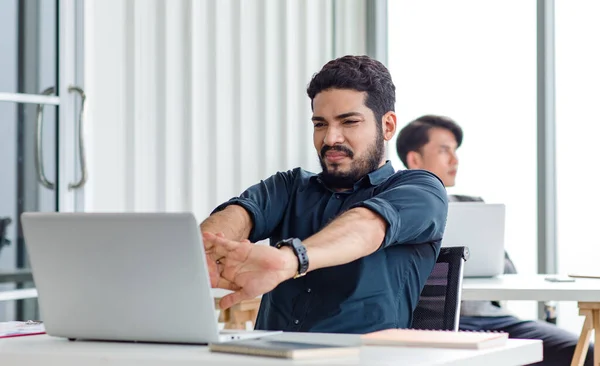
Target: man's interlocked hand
247, 269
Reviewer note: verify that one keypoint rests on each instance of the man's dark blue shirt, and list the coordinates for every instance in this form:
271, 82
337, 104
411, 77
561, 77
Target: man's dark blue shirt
375, 292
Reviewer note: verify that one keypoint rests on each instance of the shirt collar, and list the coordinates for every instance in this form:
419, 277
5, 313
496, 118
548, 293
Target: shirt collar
375, 178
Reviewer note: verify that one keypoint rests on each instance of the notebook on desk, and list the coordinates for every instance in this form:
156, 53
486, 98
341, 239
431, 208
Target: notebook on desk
123, 277
20, 329
435, 338
284, 349
584, 275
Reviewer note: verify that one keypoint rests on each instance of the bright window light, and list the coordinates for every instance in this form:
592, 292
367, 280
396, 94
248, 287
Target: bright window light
475, 61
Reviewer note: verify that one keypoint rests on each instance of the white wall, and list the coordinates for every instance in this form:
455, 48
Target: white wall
190, 102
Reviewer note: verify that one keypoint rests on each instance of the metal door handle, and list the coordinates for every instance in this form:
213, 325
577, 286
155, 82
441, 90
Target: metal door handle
39, 155
82, 161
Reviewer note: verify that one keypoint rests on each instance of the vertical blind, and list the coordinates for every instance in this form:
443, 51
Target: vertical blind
192, 101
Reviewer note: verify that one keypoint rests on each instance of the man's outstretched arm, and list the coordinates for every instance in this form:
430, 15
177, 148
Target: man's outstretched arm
412, 211
355, 234
255, 213
254, 270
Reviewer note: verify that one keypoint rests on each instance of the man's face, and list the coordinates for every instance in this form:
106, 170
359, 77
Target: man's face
438, 156
348, 140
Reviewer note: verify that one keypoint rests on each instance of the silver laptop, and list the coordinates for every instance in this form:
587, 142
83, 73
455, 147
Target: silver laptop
125, 277
480, 227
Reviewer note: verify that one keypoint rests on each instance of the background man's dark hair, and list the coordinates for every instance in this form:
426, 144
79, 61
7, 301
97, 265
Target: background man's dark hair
415, 135
360, 73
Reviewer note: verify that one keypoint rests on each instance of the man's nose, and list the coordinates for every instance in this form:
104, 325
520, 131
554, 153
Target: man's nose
333, 136
453, 158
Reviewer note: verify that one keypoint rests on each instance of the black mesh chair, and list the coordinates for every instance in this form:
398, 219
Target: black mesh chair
439, 304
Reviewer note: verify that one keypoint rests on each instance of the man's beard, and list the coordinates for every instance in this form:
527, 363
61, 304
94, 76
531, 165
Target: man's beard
358, 168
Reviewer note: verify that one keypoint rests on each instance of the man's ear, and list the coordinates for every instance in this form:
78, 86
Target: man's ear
414, 160
389, 125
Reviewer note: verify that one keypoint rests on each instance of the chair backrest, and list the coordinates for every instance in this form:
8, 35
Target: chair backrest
439, 304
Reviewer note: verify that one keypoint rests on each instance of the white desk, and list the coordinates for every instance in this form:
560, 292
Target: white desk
585, 291
30, 293
530, 287
50, 351
11, 295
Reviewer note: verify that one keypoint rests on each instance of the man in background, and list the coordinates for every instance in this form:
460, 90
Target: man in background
430, 143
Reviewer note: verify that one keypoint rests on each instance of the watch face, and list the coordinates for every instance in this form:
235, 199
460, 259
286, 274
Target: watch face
284, 242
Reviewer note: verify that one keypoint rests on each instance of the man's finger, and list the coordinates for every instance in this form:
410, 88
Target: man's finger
208, 239
226, 243
227, 285
208, 236
216, 281
232, 299
210, 245
220, 268
213, 272
225, 248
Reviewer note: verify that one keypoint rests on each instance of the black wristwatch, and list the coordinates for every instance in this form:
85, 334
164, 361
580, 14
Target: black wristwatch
300, 251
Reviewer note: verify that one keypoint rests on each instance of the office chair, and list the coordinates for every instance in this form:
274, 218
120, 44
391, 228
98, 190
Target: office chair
439, 304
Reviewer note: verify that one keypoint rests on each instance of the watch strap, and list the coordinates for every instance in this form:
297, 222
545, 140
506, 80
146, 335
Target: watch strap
300, 251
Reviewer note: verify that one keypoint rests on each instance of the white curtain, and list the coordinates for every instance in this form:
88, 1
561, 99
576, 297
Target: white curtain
192, 101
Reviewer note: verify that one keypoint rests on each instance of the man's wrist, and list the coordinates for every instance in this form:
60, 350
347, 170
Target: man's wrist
299, 251
290, 263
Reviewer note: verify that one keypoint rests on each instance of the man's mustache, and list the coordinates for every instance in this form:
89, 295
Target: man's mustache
340, 148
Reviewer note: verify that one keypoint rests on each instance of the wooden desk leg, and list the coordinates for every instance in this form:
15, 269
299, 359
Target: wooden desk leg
596, 336
224, 316
591, 311
584, 339
238, 315
253, 316
240, 318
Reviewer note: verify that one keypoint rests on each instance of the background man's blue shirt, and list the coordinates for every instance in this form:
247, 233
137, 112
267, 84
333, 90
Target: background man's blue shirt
375, 292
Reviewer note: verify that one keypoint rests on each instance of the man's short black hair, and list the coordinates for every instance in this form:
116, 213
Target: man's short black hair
415, 135
360, 73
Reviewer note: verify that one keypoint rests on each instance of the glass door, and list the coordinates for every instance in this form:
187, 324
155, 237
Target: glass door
41, 152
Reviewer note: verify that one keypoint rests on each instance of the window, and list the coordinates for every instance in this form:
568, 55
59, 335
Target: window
38, 67
475, 62
577, 129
